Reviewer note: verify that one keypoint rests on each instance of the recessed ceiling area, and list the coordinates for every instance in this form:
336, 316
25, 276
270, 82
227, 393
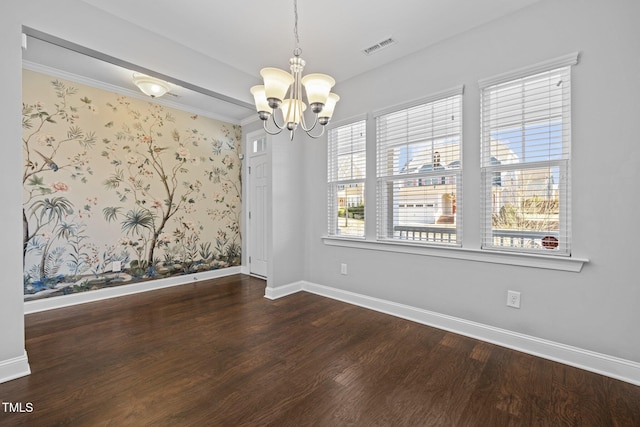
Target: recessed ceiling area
62, 62
248, 35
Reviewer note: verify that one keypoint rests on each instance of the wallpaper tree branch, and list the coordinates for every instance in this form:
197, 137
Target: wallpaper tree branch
110, 180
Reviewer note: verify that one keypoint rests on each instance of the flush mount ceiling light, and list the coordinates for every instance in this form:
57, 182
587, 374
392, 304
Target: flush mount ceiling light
278, 84
151, 86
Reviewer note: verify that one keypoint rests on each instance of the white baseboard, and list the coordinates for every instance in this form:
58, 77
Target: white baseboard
16, 367
610, 366
283, 291
118, 291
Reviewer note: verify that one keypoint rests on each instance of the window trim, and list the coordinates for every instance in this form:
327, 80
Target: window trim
456, 91
570, 263
521, 259
566, 61
562, 61
333, 185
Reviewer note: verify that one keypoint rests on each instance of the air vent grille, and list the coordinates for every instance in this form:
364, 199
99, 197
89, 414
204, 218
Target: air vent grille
379, 46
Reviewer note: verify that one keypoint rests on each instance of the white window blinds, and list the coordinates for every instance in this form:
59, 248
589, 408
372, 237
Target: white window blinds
419, 173
346, 179
525, 161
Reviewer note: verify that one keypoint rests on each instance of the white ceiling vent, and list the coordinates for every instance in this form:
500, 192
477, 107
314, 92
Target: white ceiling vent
379, 46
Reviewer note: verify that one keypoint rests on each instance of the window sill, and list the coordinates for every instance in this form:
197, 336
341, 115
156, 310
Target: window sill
551, 262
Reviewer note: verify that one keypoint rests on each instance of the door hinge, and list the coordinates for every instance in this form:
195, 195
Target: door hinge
249, 170
249, 214
249, 260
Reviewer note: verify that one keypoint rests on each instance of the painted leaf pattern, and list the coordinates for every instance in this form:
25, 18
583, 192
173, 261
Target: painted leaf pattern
109, 178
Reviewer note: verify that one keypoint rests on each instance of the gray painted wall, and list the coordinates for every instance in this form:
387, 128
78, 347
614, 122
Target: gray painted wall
288, 210
596, 309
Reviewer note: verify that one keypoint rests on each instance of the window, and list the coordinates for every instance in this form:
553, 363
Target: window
259, 145
346, 176
525, 161
419, 173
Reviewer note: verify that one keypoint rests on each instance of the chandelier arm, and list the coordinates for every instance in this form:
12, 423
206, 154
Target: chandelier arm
316, 136
273, 117
264, 125
303, 124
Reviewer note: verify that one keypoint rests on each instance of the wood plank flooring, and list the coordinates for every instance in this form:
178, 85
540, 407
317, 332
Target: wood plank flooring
218, 353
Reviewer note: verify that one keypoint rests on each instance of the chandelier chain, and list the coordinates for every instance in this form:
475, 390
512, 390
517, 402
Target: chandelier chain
297, 51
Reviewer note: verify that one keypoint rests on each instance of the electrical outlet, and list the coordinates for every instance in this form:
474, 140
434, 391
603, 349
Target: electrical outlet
343, 269
116, 266
513, 299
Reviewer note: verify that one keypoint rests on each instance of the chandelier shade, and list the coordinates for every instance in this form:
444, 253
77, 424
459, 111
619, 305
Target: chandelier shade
260, 98
327, 111
318, 87
284, 91
276, 84
292, 110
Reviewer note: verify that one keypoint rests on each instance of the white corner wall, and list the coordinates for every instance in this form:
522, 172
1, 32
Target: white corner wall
288, 210
82, 24
13, 358
594, 311
286, 234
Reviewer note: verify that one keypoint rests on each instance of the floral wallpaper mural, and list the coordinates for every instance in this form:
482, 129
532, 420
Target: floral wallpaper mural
119, 190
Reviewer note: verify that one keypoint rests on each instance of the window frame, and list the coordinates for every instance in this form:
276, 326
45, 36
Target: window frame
489, 169
465, 252
387, 216
334, 181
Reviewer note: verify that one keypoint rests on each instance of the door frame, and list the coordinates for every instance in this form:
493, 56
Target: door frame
250, 154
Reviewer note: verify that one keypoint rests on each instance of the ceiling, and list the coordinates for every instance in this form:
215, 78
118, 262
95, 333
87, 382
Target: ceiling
249, 35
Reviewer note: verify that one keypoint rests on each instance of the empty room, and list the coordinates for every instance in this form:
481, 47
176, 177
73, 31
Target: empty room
296, 213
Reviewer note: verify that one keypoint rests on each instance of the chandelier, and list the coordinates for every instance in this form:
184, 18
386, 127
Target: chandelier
283, 91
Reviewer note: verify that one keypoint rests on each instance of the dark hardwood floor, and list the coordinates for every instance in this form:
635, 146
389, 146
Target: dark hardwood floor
218, 353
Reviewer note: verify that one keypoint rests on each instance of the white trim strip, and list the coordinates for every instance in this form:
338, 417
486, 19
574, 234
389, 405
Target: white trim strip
118, 291
283, 291
610, 366
551, 262
15, 367
563, 61
347, 121
458, 90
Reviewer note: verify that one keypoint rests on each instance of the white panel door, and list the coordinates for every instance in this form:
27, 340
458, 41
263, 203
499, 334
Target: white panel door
258, 199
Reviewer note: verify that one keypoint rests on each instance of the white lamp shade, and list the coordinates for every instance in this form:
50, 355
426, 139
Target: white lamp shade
151, 86
291, 114
329, 106
318, 87
260, 98
276, 82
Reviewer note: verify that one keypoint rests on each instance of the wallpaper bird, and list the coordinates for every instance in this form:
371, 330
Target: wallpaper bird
48, 161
